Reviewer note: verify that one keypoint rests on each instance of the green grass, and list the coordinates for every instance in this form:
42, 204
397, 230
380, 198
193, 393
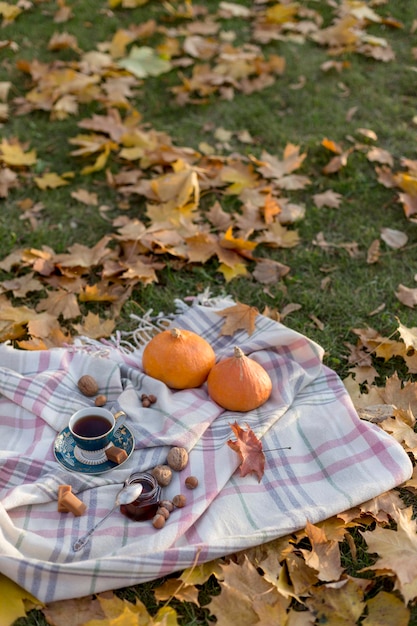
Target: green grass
383, 95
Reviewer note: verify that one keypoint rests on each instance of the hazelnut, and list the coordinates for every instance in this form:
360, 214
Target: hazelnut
146, 402
177, 458
158, 521
100, 400
88, 385
191, 482
152, 399
179, 501
162, 475
163, 511
167, 504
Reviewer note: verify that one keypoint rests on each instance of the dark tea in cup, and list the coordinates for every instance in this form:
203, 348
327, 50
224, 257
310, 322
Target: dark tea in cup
92, 426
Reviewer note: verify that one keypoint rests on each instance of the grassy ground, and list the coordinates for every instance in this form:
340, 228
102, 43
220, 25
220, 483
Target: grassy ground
303, 106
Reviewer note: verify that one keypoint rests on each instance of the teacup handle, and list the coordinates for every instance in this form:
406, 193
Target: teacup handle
119, 417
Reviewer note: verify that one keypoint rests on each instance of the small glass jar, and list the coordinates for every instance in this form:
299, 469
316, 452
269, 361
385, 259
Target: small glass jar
146, 505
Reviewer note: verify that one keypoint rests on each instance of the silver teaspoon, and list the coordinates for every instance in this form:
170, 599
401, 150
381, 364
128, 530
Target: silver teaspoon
128, 494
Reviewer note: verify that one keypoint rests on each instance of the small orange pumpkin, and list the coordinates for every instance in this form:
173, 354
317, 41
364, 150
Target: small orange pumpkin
238, 383
179, 358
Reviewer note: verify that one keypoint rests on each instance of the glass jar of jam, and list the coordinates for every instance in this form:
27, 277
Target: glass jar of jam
146, 505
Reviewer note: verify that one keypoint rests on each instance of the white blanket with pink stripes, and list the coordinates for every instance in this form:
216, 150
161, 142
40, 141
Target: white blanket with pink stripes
330, 460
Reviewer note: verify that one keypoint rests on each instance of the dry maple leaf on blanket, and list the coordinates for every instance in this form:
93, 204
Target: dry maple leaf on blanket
249, 449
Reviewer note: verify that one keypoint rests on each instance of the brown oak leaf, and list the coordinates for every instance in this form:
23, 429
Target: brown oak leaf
249, 449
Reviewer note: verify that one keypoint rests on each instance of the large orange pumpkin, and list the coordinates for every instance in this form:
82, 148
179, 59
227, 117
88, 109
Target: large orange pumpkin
179, 358
238, 383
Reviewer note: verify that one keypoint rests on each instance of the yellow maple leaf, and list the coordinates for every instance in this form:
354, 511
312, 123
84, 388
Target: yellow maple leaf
281, 13
50, 180
386, 608
121, 39
408, 335
95, 327
236, 243
396, 549
341, 605
13, 320
199, 574
13, 600
121, 612
324, 556
13, 154
406, 182
243, 594
176, 588
278, 236
401, 431
240, 176
179, 189
101, 160
9, 11
230, 272
45, 332
100, 292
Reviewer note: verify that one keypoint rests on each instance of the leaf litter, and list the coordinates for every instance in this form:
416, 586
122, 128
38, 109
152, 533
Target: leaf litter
303, 578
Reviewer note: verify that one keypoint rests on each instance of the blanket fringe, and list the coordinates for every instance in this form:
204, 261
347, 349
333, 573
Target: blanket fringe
147, 325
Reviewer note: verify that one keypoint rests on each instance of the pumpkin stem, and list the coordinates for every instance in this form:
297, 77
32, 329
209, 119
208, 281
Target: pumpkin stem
238, 353
176, 333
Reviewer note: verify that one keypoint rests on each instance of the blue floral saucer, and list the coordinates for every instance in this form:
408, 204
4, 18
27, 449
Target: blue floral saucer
72, 458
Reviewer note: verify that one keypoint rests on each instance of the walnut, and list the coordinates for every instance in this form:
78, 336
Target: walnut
162, 475
179, 501
100, 400
191, 482
88, 385
177, 458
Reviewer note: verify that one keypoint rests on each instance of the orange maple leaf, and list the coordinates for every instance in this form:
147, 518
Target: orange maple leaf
249, 449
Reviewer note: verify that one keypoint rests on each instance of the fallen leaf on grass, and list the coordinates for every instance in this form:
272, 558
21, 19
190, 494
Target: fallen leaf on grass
407, 295
13, 600
95, 327
394, 238
175, 588
397, 551
246, 597
328, 198
341, 605
50, 180
74, 612
121, 612
143, 62
374, 252
385, 608
324, 556
13, 154
269, 272
249, 449
86, 197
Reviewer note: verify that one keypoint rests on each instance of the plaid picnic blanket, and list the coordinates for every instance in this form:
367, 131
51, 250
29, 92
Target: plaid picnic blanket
334, 460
